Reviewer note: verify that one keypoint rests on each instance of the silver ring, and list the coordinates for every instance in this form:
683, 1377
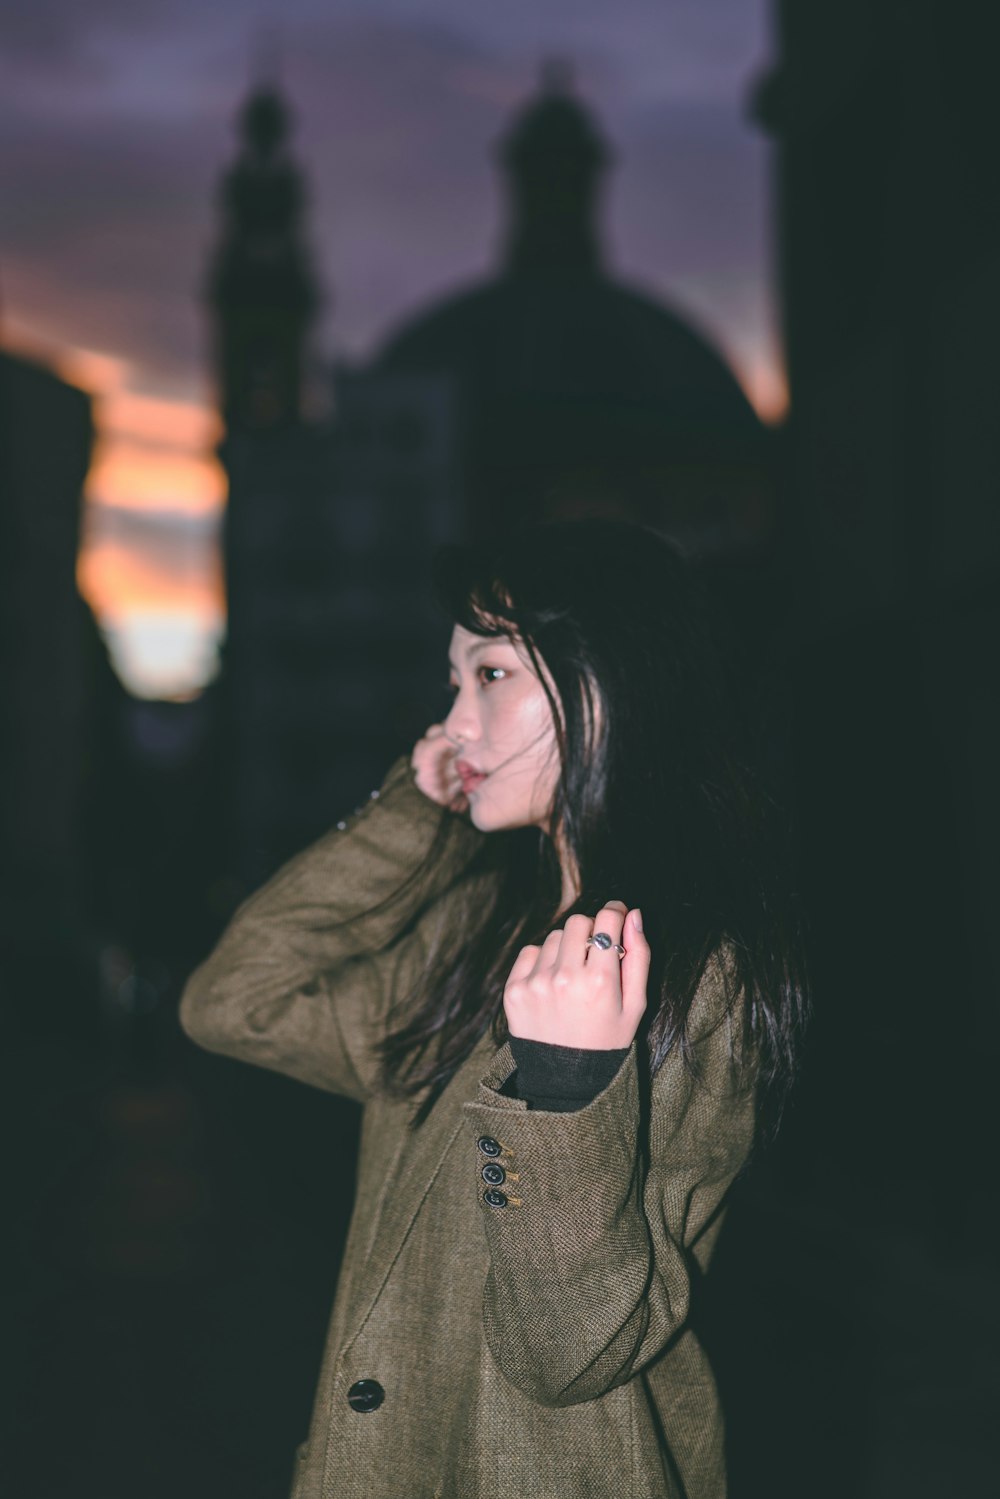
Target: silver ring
603, 941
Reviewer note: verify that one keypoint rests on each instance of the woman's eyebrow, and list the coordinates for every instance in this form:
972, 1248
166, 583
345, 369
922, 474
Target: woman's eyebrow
481, 645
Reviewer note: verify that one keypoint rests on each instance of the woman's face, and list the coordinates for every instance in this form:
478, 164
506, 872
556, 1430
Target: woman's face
502, 716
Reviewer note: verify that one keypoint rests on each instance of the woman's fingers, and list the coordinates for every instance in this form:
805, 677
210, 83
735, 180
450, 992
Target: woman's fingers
524, 963
433, 761
635, 964
566, 993
610, 918
548, 953
572, 950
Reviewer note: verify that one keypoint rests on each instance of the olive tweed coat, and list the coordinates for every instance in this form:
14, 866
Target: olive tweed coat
534, 1348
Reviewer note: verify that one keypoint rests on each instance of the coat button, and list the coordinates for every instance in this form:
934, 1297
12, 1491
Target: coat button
488, 1145
365, 1395
494, 1174
494, 1198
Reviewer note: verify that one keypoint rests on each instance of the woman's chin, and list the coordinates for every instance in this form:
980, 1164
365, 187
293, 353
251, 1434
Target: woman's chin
493, 819
479, 815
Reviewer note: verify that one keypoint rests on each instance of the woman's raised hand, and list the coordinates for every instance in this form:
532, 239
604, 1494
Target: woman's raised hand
569, 994
433, 760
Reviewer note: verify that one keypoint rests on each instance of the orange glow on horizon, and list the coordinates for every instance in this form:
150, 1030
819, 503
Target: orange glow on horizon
117, 581
130, 476
123, 412
181, 425
91, 369
161, 598
151, 452
767, 390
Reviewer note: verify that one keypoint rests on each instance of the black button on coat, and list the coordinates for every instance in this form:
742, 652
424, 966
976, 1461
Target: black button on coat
365, 1395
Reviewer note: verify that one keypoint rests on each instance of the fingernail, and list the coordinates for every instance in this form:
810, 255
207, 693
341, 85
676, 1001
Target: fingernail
637, 919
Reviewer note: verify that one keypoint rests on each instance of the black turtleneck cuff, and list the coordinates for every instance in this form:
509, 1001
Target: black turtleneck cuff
560, 1079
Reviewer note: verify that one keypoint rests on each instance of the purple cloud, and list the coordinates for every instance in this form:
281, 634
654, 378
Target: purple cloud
117, 125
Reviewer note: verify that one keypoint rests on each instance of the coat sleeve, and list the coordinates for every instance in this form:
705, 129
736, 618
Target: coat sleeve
305, 974
592, 1238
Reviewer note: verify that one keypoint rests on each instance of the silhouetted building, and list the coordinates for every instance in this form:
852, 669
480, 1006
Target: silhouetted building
45, 443
890, 258
551, 390
575, 391
884, 124
889, 228
261, 285
331, 647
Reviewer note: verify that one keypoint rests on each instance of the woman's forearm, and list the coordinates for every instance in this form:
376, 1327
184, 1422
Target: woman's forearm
300, 976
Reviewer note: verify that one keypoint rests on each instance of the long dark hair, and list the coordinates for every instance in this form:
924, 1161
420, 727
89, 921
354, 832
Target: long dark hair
662, 807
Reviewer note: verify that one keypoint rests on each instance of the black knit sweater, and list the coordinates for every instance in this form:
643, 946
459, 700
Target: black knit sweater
560, 1079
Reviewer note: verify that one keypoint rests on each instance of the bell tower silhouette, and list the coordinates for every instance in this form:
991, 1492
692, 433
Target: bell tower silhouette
554, 159
261, 287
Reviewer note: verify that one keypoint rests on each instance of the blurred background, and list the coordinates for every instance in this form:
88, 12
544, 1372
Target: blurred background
284, 303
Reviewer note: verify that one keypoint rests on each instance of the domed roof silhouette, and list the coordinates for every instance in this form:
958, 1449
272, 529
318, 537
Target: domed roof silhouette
563, 375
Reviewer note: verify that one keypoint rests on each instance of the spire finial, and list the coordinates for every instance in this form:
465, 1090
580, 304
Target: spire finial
265, 120
266, 59
554, 155
557, 76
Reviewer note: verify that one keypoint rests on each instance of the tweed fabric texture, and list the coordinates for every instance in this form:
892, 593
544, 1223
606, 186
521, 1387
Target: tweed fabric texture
537, 1347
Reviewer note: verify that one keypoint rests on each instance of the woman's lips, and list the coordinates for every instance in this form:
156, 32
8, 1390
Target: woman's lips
469, 776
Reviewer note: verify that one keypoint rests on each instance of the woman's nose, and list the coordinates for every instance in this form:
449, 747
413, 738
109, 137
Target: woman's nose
460, 724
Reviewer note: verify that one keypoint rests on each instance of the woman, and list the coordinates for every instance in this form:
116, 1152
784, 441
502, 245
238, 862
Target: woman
550, 958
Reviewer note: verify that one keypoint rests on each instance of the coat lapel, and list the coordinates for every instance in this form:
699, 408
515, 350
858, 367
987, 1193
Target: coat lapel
413, 1168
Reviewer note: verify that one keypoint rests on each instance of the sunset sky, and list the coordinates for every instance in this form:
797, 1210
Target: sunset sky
117, 118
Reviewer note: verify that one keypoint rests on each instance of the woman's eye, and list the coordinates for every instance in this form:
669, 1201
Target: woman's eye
492, 674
